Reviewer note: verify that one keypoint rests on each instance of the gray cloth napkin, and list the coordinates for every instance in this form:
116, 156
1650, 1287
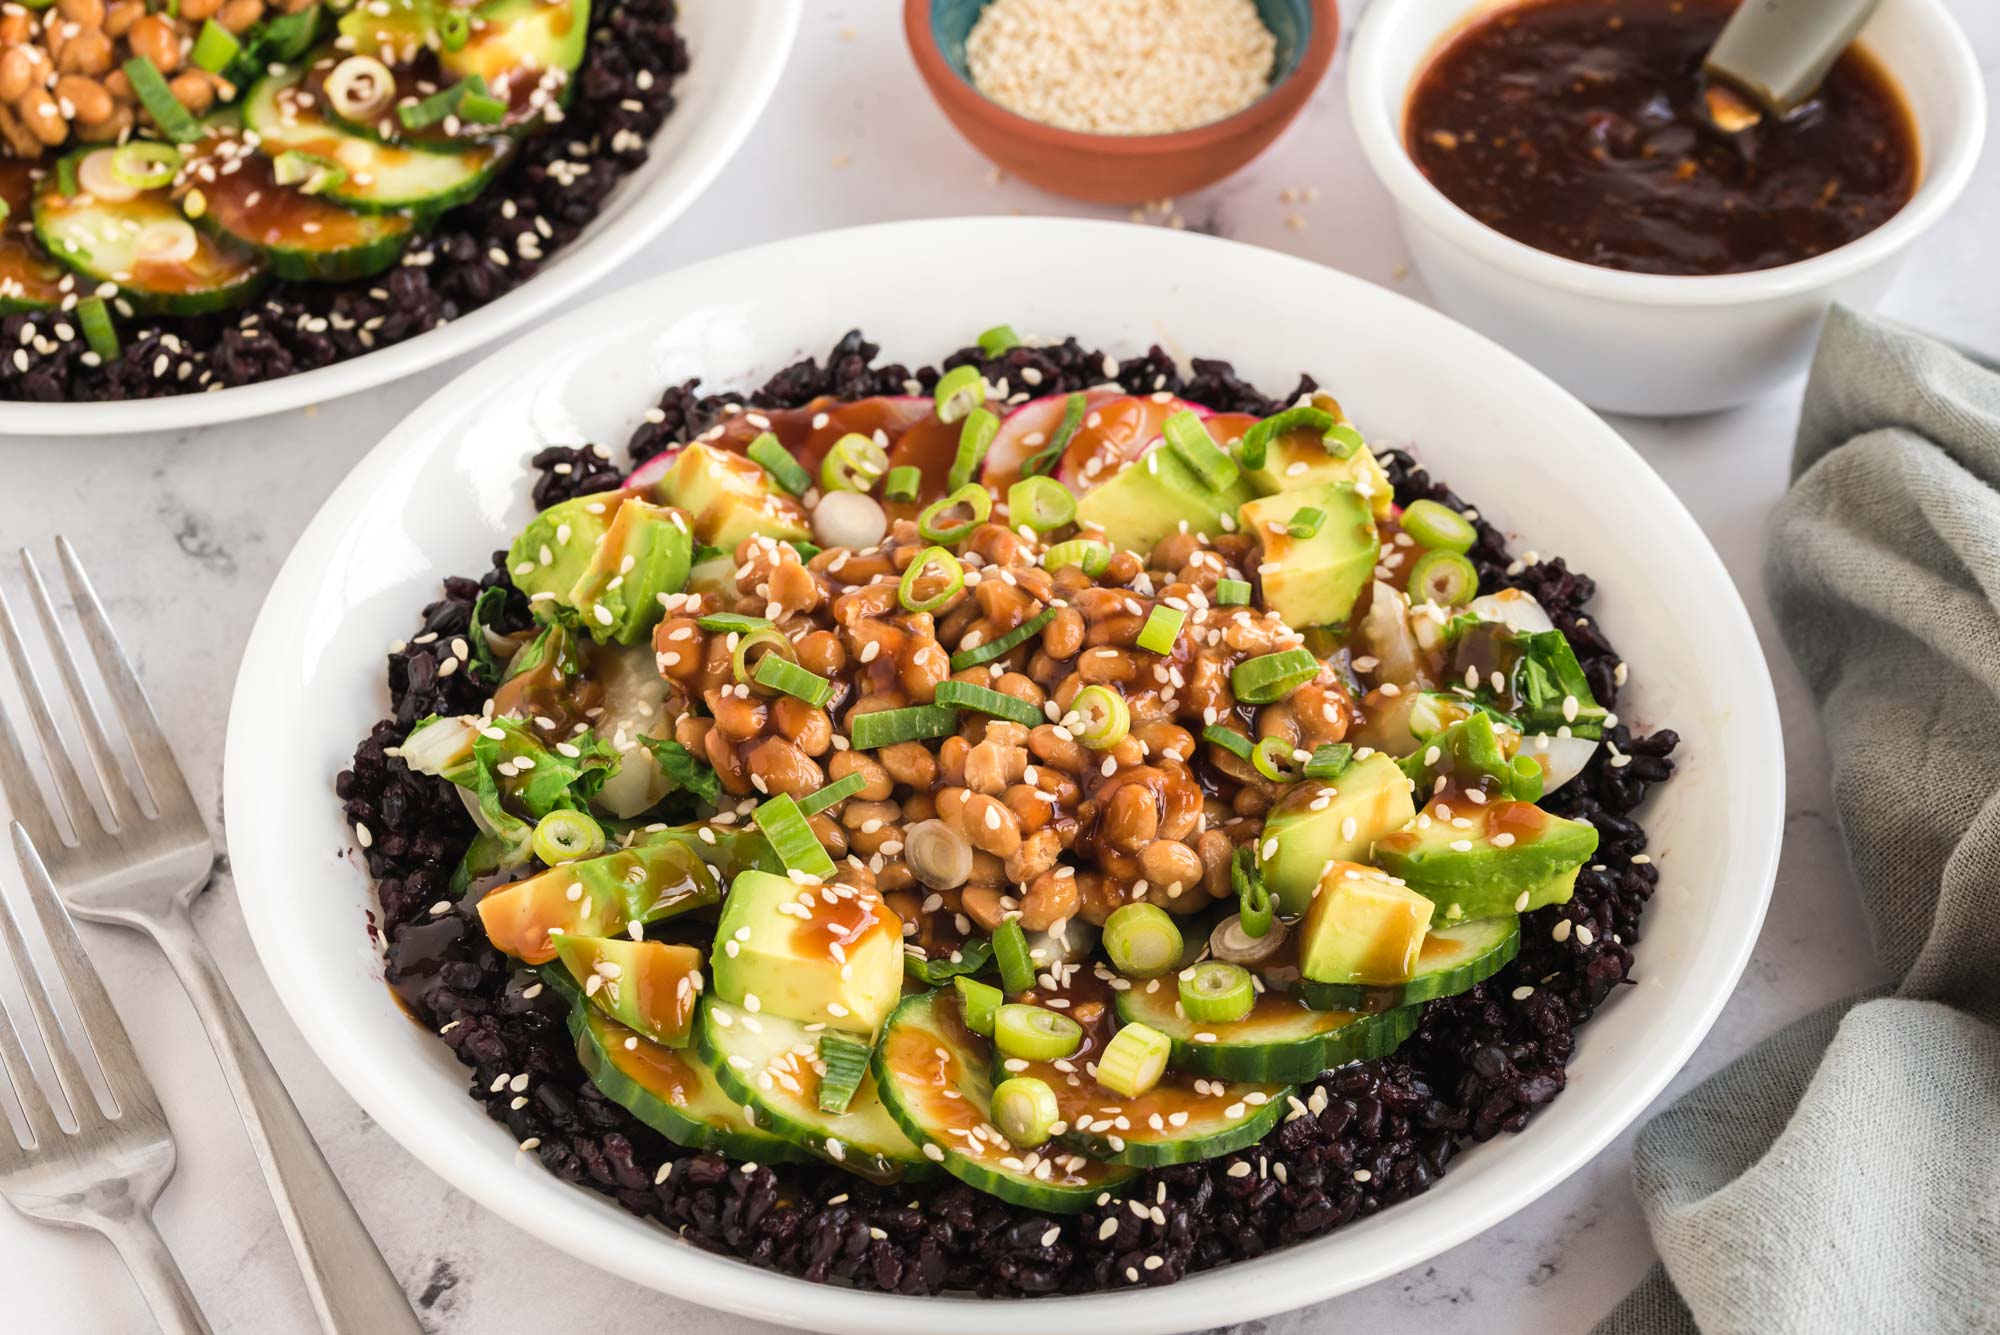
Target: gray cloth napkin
1845, 1174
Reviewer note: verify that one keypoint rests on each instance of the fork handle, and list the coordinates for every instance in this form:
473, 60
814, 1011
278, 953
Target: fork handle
155, 1271
351, 1286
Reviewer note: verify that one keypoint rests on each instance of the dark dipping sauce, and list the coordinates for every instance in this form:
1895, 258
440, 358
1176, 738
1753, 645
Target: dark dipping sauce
1579, 127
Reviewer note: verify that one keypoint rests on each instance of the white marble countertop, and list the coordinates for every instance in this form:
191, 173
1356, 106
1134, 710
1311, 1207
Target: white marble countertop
185, 530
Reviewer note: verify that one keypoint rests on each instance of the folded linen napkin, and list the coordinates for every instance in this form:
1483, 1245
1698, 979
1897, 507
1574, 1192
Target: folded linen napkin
1845, 1174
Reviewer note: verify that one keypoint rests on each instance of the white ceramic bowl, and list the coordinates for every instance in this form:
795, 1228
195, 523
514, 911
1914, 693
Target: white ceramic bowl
450, 485
1655, 344
737, 50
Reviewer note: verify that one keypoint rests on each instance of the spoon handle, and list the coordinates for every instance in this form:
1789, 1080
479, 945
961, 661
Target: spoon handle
1778, 51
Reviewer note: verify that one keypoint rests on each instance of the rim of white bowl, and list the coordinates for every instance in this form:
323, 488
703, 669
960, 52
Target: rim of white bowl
571, 1219
745, 79
1377, 92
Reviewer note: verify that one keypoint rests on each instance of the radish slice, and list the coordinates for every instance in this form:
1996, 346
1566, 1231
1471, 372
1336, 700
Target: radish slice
648, 474
1117, 429
1561, 758
96, 176
1024, 432
1512, 608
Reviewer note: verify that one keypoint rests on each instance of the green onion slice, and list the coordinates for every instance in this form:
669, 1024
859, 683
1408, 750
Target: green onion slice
978, 503
1035, 1033
150, 87
770, 642
788, 678
1134, 1060
1025, 1110
1232, 593
986, 700
1000, 338
1269, 677
1255, 446
886, 727
837, 791
454, 28
1042, 503
936, 971
567, 836
958, 392
1438, 527
423, 114
1272, 757
846, 1063
144, 165
1162, 629
977, 1004
786, 471
479, 105
1187, 437
1213, 991
1085, 554
731, 621
992, 649
1305, 521
791, 838
1253, 897
975, 437
1445, 578
1230, 740
1329, 762
1342, 440
310, 172
1142, 940
904, 483
853, 463
1050, 454
1010, 952
946, 566
98, 332
214, 48
1103, 718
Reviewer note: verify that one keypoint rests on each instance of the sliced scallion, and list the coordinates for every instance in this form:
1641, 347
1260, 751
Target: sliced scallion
1042, 503
1272, 758
1035, 1033
978, 504
994, 648
1305, 521
836, 792
1188, 438
986, 700
846, 1063
975, 437
98, 332
479, 106
724, 622
958, 392
1232, 593
144, 165
1010, 953
423, 114
945, 566
1103, 718
1253, 898
786, 471
914, 723
1085, 554
1342, 440
977, 1003
1269, 677
1025, 1109
1255, 446
214, 48
765, 643
853, 463
567, 836
1329, 762
1445, 578
150, 87
1162, 630
1142, 940
791, 838
454, 28
788, 678
904, 483
1230, 740
1217, 992
1000, 338
1134, 1060
1438, 527
1050, 454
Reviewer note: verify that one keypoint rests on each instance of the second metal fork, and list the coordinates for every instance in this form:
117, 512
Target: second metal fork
142, 871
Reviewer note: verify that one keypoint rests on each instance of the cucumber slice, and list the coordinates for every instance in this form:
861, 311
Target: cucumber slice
381, 178
768, 1063
1183, 1118
29, 279
102, 240
667, 1090
931, 1072
1281, 1039
300, 236
1451, 962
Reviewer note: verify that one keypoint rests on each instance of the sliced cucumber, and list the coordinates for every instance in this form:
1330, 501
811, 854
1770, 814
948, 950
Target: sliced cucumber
669, 1091
1452, 961
143, 245
931, 1072
768, 1063
29, 279
1183, 1118
1281, 1039
381, 178
301, 236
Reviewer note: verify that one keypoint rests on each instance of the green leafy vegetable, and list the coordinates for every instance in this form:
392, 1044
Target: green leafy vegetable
683, 771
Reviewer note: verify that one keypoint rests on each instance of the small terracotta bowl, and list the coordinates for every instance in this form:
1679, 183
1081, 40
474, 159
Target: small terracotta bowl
1121, 169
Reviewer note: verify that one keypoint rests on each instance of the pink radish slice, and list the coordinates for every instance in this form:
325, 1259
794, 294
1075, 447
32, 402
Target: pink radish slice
647, 474
1024, 432
1114, 433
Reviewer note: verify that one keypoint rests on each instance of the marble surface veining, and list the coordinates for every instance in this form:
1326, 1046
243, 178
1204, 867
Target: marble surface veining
185, 530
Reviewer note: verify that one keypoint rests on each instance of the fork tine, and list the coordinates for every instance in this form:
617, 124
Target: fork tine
24, 799
15, 777
110, 779
70, 1080
102, 1028
142, 728
14, 1069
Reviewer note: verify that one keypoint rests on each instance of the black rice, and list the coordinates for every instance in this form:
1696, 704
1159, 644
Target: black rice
538, 204
1371, 1134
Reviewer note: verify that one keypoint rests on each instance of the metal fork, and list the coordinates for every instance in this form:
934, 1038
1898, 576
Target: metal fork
107, 1173
142, 871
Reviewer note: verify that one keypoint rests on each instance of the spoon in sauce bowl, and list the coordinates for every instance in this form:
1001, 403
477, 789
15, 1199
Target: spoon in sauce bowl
1773, 55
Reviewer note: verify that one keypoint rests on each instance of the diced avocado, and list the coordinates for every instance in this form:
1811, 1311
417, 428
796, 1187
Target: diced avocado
648, 986
1469, 754
729, 498
386, 29
514, 39
1362, 927
1298, 459
1476, 861
599, 896
555, 548
819, 954
1314, 581
1303, 833
1155, 495
644, 554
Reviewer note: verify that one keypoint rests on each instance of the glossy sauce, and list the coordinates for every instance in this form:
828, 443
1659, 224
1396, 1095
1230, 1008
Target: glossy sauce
244, 197
27, 274
1579, 127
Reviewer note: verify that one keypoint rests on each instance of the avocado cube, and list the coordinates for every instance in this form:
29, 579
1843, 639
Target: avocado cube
816, 953
645, 553
1480, 861
1299, 459
511, 36
729, 498
1155, 495
1314, 581
600, 896
1316, 823
1362, 927
647, 986
553, 551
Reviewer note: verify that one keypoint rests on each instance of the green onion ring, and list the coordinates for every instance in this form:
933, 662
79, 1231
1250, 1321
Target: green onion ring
947, 564
1272, 757
1042, 503
1103, 717
853, 463
767, 639
973, 496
